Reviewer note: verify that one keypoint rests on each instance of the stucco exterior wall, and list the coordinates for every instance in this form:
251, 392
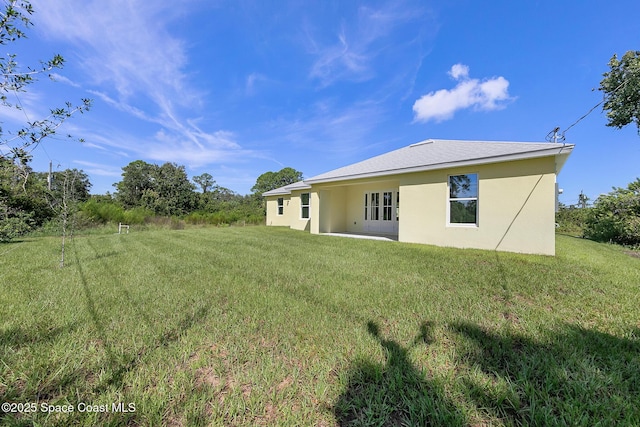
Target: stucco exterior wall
295, 215
332, 209
515, 208
292, 216
516, 202
355, 201
272, 211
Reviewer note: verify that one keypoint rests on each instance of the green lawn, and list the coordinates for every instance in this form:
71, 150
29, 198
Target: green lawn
268, 326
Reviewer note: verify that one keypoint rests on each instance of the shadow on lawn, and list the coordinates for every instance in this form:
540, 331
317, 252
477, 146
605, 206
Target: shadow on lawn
575, 377
118, 362
397, 393
578, 377
15, 337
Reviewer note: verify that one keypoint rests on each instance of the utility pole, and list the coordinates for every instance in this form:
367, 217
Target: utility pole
50, 177
582, 200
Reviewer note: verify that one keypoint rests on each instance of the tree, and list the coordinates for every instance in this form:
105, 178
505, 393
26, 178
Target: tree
172, 192
15, 220
137, 177
80, 181
15, 216
615, 217
23, 199
272, 180
165, 189
205, 181
621, 86
72, 185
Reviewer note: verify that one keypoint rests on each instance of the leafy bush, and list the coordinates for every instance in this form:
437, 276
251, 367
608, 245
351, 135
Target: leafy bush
615, 217
212, 218
137, 216
14, 226
572, 220
109, 211
102, 212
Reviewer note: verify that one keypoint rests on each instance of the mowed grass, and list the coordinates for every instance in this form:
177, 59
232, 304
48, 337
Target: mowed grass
268, 326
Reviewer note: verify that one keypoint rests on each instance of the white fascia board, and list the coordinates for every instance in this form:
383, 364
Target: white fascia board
276, 192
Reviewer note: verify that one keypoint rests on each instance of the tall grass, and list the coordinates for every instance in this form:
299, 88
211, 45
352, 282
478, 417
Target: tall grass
267, 326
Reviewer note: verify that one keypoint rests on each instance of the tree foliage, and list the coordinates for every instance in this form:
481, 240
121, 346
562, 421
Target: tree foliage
27, 202
621, 86
165, 190
272, 180
615, 217
205, 181
137, 177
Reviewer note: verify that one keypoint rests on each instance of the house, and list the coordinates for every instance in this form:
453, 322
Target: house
465, 194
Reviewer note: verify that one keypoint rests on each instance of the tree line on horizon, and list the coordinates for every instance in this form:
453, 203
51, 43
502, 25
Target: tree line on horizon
146, 192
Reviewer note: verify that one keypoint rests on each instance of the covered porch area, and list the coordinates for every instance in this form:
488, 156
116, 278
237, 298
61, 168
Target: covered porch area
360, 210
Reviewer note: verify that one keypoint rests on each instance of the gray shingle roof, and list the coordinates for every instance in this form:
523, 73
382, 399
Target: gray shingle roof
434, 154
440, 154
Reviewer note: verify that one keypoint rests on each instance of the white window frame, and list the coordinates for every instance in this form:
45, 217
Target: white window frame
308, 206
450, 199
280, 204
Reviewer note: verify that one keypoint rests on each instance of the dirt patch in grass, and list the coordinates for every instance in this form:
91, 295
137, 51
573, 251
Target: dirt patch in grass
633, 254
285, 383
207, 376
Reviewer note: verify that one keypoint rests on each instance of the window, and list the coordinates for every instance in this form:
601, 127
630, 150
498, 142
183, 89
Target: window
398, 206
463, 199
280, 205
375, 207
366, 205
304, 205
387, 198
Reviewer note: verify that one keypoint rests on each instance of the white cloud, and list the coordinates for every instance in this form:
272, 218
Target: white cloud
135, 65
217, 147
355, 47
122, 43
60, 78
440, 105
327, 126
99, 169
459, 71
251, 81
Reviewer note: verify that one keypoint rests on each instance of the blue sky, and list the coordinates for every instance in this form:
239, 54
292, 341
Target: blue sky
238, 88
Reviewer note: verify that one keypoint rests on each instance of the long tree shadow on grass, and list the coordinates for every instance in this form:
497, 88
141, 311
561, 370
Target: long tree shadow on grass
575, 377
119, 362
396, 393
16, 339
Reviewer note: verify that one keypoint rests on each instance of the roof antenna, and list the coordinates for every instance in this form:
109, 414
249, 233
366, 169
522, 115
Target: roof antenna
554, 136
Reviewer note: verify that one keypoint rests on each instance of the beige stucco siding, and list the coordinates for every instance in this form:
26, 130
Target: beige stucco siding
355, 204
272, 211
515, 208
332, 209
295, 215
292, 216
516, 201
